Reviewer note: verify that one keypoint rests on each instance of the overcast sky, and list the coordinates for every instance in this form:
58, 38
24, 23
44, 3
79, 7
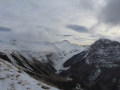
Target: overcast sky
79, 21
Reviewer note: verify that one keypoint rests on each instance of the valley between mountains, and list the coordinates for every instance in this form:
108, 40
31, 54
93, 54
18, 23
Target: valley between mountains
60, 65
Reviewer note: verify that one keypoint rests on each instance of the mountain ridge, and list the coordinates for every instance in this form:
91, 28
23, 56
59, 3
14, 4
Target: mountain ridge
94, 67
56, 53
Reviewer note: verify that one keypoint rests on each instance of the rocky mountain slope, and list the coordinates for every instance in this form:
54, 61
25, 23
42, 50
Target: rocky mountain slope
97, 68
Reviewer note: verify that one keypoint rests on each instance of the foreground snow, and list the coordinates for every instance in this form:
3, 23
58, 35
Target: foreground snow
12, 78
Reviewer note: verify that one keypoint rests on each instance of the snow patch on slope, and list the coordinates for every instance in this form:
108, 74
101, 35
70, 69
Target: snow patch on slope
11, 78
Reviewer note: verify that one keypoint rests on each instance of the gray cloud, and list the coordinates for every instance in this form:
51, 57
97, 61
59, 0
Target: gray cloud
78, 28
5, 29
84, 39
110, 13
79, 38
93, 36
39, 34
87, 4
67, 35
22, 17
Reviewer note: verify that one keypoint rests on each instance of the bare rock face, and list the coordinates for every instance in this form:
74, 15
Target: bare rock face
97, 68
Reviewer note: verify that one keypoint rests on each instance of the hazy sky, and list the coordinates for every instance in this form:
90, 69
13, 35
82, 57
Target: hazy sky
79, 21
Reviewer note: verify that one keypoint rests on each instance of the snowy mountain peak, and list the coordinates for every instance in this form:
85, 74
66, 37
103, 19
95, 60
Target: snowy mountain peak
104, 39
65, 41
104, 42
104, 52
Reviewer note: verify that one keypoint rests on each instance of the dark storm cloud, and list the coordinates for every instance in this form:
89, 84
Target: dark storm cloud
78, 28
110, 13
67, 35
4, 29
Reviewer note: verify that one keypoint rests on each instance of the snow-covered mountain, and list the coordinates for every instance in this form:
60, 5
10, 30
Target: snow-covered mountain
97, 68
94, 67
41, 59
56, 53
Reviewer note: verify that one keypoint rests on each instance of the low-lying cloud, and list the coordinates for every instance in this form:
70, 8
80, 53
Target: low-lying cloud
67, 35
5, 29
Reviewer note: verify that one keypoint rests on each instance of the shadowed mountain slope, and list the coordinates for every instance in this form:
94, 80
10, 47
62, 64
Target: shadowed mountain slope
97, 68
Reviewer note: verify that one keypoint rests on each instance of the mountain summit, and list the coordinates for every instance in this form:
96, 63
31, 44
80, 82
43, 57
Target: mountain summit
104, 52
